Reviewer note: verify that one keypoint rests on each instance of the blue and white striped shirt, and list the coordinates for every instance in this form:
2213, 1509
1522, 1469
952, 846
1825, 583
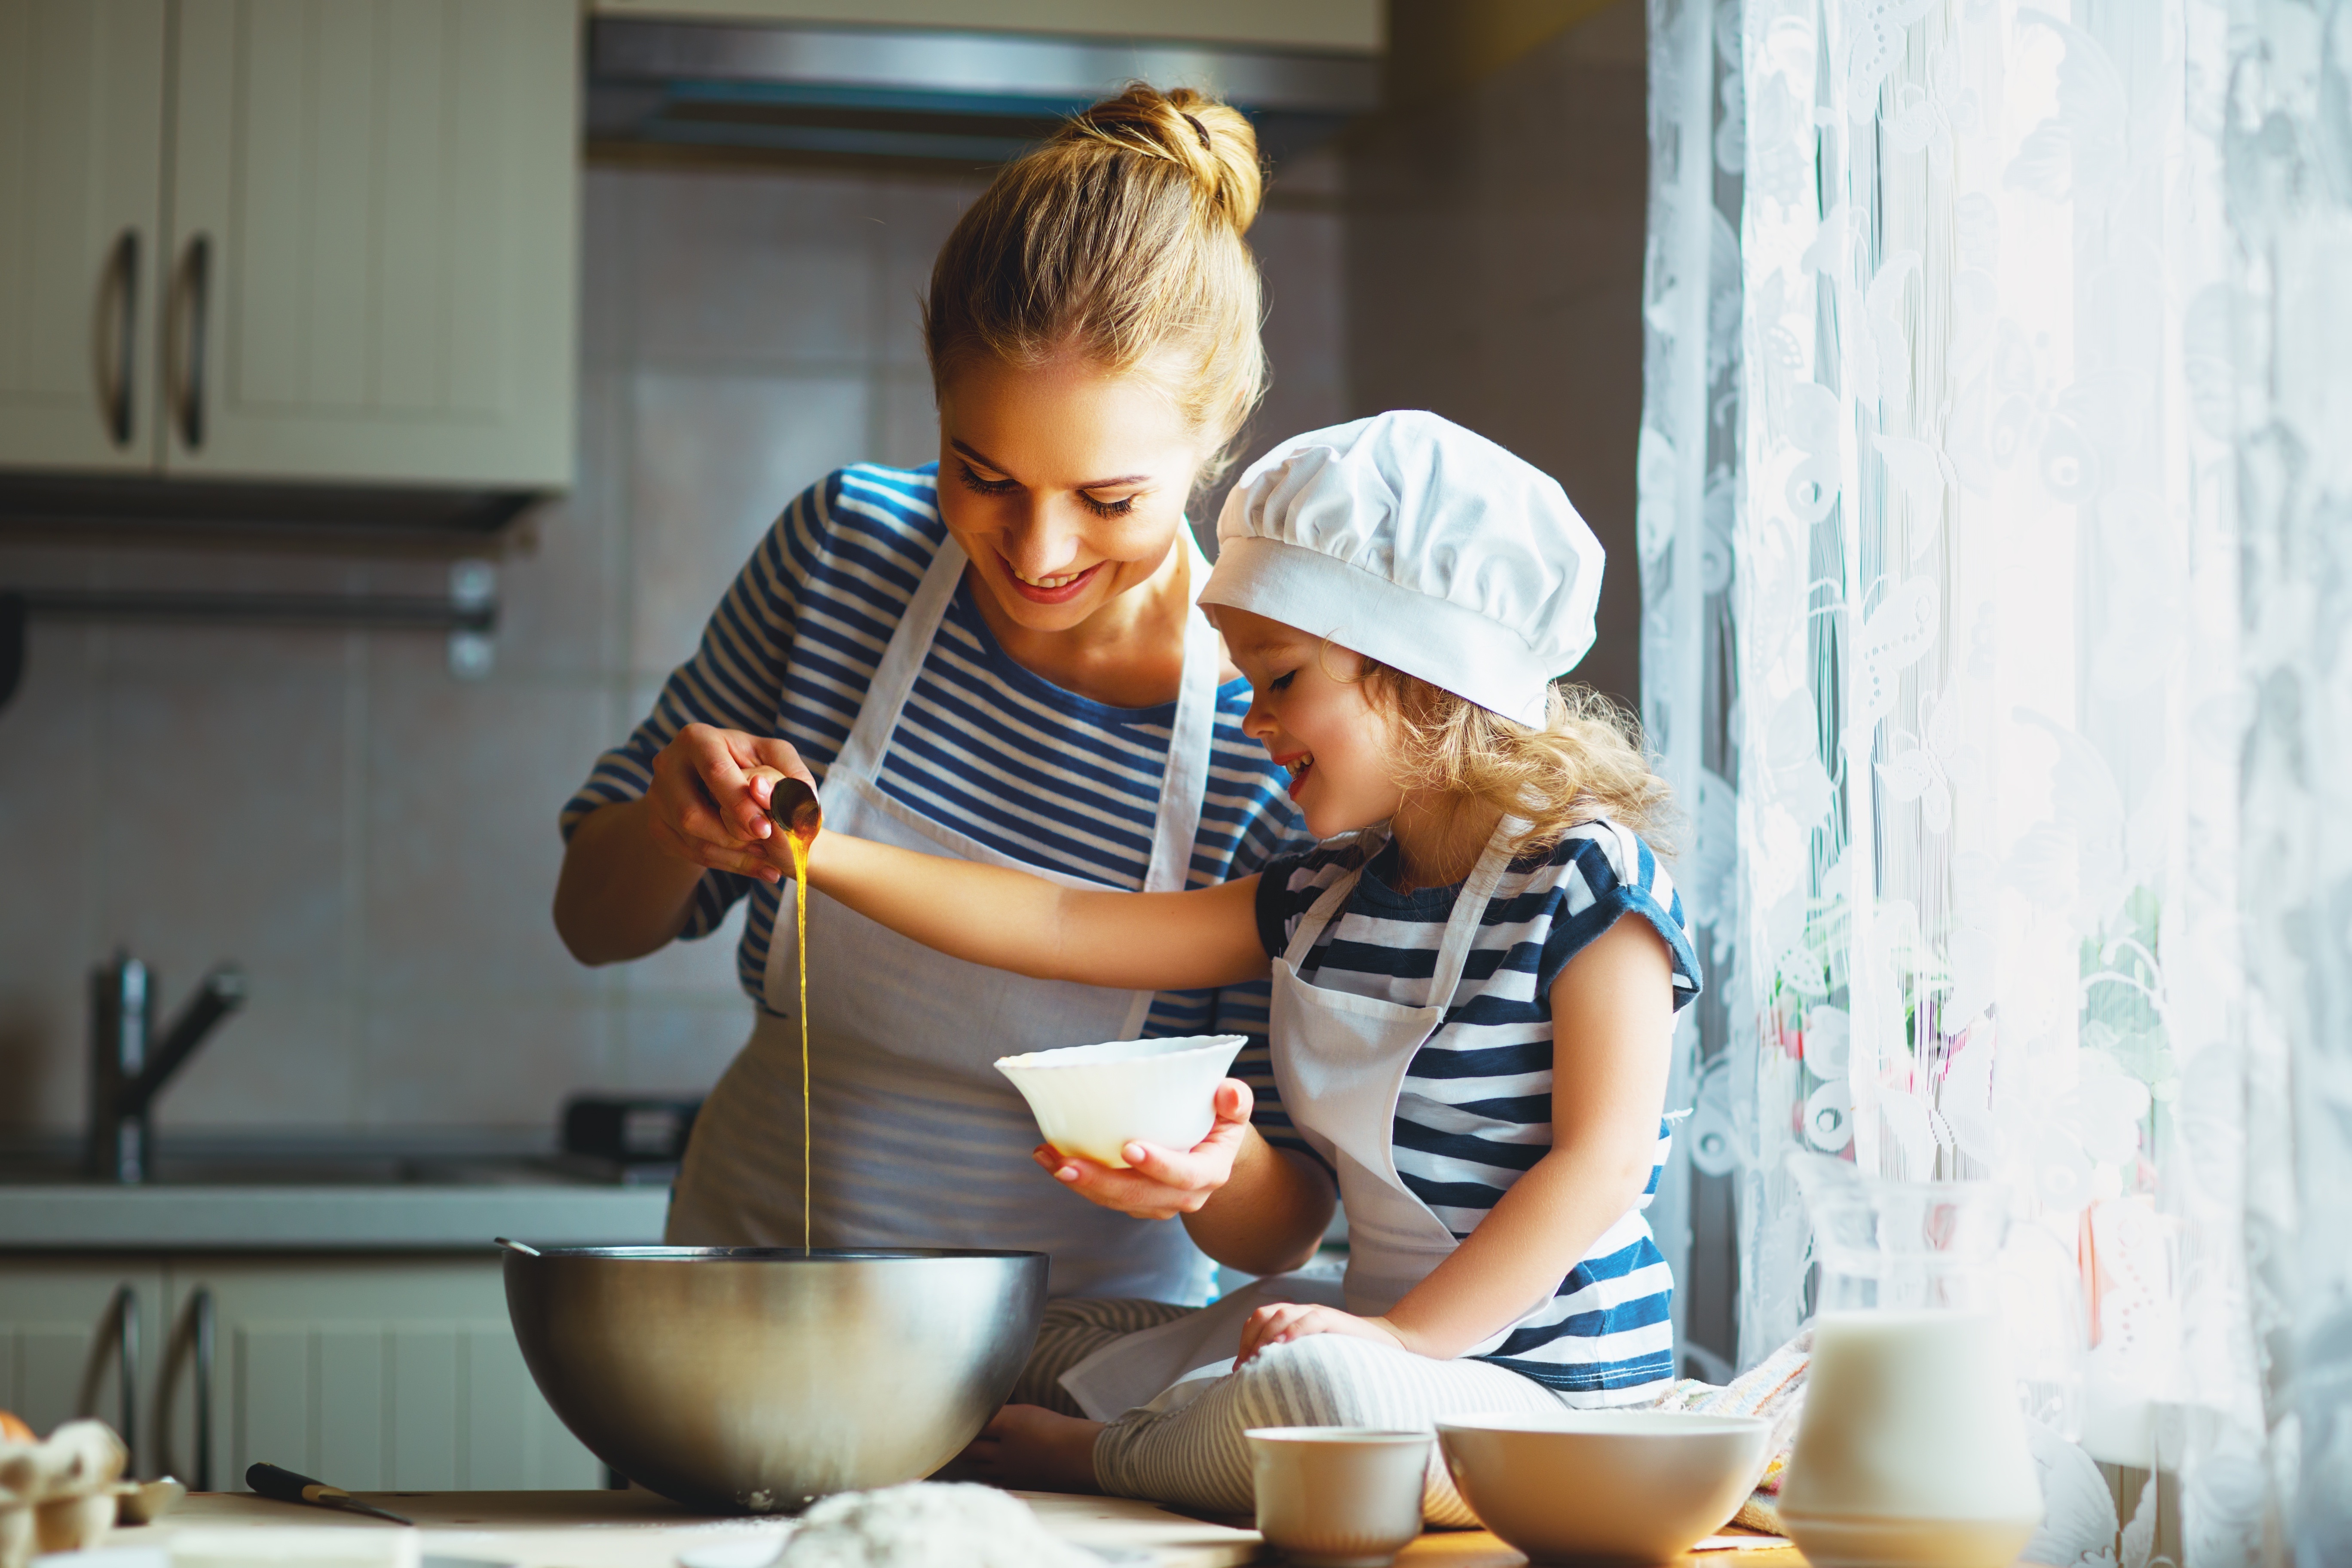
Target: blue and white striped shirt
985, 746
1475, 1112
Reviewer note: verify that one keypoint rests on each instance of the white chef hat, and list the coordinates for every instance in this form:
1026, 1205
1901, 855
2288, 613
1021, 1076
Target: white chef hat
1417, 543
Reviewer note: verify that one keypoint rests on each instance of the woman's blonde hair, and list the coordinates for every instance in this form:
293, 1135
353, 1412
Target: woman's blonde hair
1586, 761
1118, 237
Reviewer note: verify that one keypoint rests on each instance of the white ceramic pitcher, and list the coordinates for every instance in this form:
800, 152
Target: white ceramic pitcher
1912, 1451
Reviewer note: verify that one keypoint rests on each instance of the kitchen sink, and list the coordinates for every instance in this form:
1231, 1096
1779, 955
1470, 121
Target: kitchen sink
322, 1192
207, 1172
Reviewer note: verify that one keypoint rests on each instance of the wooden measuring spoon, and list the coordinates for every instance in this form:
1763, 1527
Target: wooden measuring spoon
792, 804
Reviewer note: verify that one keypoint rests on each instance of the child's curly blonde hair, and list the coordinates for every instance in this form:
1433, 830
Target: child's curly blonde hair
1586, 761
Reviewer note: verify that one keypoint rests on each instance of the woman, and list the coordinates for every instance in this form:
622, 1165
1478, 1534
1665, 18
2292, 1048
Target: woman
1000, 660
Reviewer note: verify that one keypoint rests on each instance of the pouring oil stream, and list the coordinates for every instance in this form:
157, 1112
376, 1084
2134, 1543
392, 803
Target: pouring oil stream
793, 807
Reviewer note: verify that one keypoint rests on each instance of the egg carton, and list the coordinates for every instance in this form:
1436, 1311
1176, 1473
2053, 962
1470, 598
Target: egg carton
65, 1493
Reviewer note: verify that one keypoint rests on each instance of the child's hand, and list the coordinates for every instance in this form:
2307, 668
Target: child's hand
760, 783
1282, 1321
1161, 1183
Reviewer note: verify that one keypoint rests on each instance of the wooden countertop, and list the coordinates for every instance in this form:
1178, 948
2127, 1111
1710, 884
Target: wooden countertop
639, 1530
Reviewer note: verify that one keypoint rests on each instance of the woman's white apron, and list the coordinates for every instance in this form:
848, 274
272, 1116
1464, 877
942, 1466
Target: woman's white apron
918, 1141
1339, 1060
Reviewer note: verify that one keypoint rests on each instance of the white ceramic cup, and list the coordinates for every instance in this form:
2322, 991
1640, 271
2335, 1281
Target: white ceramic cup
1338, 1497
1094, 1100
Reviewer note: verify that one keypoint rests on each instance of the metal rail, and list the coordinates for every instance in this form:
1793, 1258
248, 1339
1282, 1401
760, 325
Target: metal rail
468, 614
116, 1339
193, 1340
382, 612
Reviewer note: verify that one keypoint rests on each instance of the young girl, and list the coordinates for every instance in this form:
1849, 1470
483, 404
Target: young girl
1467, 1028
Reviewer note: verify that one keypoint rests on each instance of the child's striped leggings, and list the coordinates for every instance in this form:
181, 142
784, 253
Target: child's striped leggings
1195, 1456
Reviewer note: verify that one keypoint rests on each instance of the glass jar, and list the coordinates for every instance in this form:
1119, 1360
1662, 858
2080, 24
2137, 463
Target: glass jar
1912, 1449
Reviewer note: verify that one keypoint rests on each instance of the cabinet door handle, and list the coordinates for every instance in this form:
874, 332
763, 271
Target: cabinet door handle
118, 1331
123, 279
193, 1337
202, 1307
195, 305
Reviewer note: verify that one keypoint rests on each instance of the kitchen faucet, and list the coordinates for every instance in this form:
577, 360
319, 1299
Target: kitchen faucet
129, 1067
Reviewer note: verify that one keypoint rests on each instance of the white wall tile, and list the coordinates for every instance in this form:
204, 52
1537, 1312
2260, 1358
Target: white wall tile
465, 779
717, 458
917, 215
287, 1058
224, 763
910, 419
561, 573
671, 1047
499, 1062
54, 806
608, 274
695, 971
754, 267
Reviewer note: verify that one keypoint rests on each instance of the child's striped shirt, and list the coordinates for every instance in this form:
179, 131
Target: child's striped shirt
1475, 1110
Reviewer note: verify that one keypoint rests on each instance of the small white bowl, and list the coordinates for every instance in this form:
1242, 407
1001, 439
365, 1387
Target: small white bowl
1623, 1486
1095, 1100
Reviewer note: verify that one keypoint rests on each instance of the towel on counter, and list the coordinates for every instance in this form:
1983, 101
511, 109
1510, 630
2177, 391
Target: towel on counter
1774, 1388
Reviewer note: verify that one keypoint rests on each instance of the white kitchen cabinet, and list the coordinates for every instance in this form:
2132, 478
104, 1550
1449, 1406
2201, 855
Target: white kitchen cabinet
375, 1373
51, 1311
358, 239
373, 215
387, 1374
81, 243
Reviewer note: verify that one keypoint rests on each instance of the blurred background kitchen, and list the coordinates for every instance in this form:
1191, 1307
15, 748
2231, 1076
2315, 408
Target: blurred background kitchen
450, 357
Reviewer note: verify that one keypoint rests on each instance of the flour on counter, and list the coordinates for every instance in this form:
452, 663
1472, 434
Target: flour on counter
927, 1524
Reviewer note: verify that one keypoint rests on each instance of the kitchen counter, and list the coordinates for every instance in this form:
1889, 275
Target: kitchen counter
411, 1217
324, 1190
638, 1530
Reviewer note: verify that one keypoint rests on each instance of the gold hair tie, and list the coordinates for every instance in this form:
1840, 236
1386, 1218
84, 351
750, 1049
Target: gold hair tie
1199, 130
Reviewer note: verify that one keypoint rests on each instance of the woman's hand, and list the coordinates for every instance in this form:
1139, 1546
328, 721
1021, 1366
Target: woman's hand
1162, 1183
631, 869
706, 806
1279, 1322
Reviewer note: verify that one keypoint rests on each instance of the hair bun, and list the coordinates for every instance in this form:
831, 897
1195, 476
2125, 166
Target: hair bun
1121, 237
1213, 142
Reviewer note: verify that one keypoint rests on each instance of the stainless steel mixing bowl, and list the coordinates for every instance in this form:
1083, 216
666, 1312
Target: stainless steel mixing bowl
762, 1378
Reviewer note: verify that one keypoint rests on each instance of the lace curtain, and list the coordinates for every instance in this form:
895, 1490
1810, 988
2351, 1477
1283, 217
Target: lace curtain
1996, 537
2288, 134
1688, 462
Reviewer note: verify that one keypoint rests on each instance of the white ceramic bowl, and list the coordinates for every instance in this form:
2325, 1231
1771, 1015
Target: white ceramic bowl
1337, 1496
1095, 1100
1624, 1486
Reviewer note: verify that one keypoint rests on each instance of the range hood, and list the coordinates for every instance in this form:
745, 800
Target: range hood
934, 96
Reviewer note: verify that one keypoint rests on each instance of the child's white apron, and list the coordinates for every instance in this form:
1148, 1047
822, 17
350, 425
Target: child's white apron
1339, 1060
920, 1141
